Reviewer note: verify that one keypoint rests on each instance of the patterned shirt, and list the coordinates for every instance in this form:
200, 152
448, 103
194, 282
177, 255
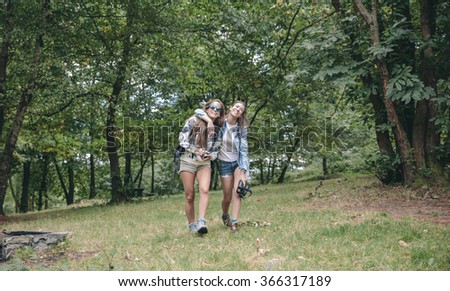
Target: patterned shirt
187, 140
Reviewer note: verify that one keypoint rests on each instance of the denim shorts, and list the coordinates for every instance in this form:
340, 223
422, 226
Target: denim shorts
227, 168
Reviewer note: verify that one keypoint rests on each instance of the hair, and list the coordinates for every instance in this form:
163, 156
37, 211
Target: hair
242, 121
200, 126
221, 119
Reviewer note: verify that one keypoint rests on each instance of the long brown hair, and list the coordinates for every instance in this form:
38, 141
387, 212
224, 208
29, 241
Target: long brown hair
242, 120
200, 127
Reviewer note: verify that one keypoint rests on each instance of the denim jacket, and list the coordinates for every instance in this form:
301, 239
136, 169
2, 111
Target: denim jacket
187, 141
240, 143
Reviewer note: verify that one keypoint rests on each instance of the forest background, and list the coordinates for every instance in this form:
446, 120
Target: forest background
93, 93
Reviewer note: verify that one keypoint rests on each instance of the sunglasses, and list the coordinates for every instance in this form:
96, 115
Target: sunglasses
214, 107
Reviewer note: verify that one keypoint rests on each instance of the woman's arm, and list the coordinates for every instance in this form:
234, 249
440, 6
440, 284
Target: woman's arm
184, 136
200, 113
244, 160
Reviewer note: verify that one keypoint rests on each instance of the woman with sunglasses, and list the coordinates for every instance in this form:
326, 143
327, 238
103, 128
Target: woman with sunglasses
233, 158
200, 147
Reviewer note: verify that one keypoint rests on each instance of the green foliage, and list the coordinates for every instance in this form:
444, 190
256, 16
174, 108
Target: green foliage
166, 183
386, 168
407, 87
295, 65
379, 52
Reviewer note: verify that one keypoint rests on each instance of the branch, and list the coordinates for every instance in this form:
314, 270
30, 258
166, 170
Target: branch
258, 110
363, 11
101, 36
370, 18
65, 106
141, 169
296, 37
61, 109
288, 32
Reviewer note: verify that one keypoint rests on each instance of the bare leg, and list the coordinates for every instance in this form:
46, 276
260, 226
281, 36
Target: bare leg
188, 184
227, 188
236, 199
203, 178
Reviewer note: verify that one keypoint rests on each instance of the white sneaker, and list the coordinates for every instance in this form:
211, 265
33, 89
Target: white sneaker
201, 227
193, 227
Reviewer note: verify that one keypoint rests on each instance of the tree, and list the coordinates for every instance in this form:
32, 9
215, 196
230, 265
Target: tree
27, 95
381, 62
399, 130
415, 80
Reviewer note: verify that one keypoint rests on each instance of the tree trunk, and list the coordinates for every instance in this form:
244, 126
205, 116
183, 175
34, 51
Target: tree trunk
420, 133
2, 117
16, 199
27, 96
399, 131
325, 166
261, 171
117, 193
61, 179
284, 169
139, 175
383, 138
283, 173
7, 28
71, 192
400, 134
128, 187
272, 175
269, 166
23, 208
92, 188
447, 146
10, 146
427, 74
152, 160
43, 186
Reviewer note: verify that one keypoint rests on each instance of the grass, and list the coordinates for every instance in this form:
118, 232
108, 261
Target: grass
153, 235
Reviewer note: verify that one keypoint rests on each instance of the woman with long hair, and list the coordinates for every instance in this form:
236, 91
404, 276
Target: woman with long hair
234, 163
201, 147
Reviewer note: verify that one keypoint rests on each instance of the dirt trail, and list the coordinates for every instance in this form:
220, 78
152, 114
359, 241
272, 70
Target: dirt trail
431, 205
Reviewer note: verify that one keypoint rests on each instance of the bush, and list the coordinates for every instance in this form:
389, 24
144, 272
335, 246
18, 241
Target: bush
386, 168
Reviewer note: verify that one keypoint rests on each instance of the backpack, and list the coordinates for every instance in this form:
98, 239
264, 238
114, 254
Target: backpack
176, 159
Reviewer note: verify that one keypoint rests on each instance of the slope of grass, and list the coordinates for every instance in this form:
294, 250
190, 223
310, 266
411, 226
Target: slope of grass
279, 232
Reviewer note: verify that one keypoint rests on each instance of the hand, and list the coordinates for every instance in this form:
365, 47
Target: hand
243, 177
199, 152
206, 156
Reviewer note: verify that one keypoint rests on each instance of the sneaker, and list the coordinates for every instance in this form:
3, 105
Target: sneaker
201, 227
226, 220
193, 227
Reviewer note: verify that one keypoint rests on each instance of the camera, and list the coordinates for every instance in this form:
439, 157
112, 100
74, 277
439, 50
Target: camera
243, 190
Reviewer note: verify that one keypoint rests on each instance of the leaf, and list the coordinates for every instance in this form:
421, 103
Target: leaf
407, 98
